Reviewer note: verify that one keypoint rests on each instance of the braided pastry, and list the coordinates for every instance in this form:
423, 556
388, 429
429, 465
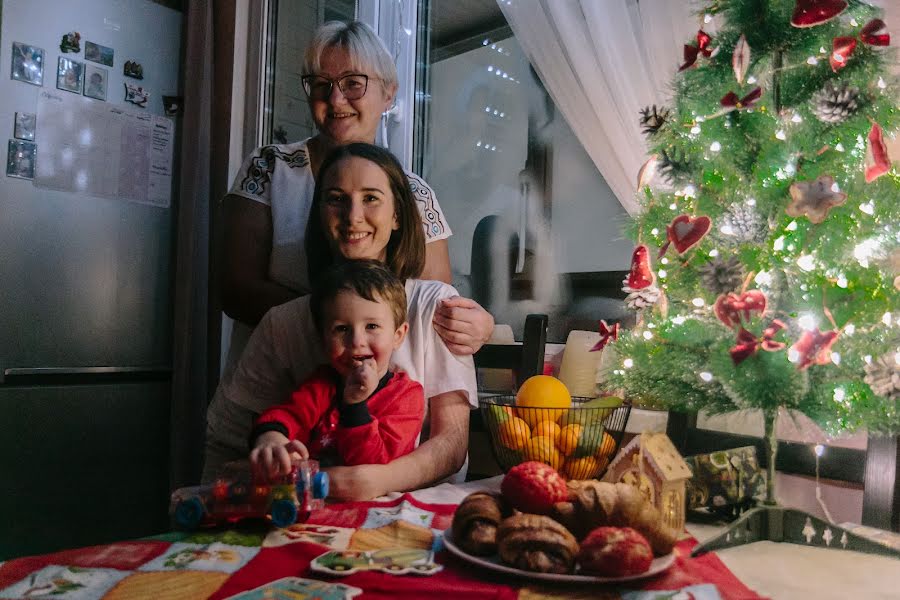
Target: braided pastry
536, 543
593, 504
476, 520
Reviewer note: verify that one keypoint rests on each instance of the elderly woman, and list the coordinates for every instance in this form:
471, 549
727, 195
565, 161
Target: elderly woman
350, 80
363, 208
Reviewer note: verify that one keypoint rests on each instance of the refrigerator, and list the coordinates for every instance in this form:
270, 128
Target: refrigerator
86, 255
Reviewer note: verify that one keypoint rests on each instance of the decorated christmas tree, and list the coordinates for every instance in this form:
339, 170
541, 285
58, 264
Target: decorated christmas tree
767, 268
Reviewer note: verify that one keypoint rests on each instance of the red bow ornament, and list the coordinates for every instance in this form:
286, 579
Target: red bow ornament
748, 344
691, 53
814, 348
732, 102
731, 308
842, 47
685, 232
607, 333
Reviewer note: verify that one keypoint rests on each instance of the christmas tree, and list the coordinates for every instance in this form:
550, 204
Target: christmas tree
766, 271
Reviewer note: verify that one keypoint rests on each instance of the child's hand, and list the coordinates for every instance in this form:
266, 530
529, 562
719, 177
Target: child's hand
361, 381
274, 455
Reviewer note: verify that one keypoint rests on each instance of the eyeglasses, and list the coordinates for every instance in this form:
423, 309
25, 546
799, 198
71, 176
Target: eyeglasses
352, 86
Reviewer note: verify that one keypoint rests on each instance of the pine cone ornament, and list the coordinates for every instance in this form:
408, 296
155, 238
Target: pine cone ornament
883, 376
835, 102
643, 298
722, 275
742, 224
652, 119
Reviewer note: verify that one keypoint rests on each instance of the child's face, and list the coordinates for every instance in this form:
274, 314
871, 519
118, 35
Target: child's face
356, 329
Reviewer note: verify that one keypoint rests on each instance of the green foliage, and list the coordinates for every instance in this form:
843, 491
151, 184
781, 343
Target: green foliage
837, 273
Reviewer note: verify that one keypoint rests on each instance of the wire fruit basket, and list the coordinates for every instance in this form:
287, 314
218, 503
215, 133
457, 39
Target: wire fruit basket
579, 441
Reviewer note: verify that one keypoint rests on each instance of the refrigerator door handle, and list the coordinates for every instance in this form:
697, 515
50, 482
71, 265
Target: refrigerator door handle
38, 375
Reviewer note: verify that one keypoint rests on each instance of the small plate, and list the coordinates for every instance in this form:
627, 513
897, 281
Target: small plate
493, 563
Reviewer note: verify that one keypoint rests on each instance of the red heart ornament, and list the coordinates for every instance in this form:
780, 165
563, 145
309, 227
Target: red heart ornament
640, 276
685, 231
809, 13
731, 308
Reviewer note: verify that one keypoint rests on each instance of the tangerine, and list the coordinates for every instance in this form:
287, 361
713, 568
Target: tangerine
514, 433
585, 467
547, 429
542, 392
542, 449
607, 446
568, 439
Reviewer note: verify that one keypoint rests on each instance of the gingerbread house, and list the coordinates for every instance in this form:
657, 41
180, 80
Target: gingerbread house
651, 463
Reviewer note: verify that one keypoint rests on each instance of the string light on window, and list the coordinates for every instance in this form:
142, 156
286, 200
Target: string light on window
478, 144
485, 42
706, 376
807, 321
487, 109
490, 68
698, 302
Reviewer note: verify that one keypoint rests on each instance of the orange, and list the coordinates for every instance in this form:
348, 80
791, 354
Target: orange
514, 433
607, 446
542, 449
581, 468
547, 429
542, 392
568, 439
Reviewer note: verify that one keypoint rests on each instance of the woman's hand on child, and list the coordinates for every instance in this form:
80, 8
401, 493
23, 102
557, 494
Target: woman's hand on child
361, 381
274, 455
463, 325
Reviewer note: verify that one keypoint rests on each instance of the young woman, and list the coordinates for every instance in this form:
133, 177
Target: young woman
362, 208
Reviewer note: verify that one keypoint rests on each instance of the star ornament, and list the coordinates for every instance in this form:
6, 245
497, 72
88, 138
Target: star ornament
607, 333
813, 199
813, 348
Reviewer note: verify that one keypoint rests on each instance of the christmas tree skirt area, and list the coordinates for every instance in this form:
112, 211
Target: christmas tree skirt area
777, 524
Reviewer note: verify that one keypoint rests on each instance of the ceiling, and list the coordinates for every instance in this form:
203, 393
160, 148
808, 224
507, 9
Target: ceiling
455, 20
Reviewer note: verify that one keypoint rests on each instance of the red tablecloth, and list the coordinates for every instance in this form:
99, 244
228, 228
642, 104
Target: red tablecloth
216, 565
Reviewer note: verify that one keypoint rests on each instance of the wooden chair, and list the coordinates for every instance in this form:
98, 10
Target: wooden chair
876, 468
524, 360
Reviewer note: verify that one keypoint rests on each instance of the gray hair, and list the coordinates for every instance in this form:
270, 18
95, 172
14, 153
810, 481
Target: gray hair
367, 51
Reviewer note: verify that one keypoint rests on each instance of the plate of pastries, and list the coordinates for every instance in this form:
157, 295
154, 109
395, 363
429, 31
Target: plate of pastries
541, 526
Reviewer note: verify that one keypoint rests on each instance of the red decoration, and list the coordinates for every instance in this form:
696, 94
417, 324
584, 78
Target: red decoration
841, 50
809, 13
731, 100
685, 231
534, 487
607, 333
869, 36
731, 308
691, 53
740, 58
641, 275
877, 161
814, 348
747, 343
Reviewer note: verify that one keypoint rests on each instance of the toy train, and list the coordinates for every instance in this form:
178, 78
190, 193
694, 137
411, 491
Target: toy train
287, 500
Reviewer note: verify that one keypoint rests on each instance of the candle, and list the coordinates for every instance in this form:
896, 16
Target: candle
579, 365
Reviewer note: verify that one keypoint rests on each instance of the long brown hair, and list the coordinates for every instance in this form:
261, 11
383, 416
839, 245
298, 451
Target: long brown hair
406, 246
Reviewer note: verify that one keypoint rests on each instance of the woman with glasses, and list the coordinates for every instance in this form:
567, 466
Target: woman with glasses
349, 80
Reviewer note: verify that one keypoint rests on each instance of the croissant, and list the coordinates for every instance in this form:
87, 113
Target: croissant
536, 543
593, 504
476, 520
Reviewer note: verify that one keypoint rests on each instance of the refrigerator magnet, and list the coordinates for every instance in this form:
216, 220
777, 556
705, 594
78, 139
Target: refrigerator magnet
25, 124
98, 54
133, 69
95, 82
69, 75
20, 159
136, 95
71, 42
27, 63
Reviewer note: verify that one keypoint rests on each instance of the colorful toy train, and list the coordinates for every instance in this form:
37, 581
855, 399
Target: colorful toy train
285, 501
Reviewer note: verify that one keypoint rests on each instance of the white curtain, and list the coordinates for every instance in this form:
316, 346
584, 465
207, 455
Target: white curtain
602, 61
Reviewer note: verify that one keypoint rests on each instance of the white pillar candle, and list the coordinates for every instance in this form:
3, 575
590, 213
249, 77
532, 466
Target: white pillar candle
579, 365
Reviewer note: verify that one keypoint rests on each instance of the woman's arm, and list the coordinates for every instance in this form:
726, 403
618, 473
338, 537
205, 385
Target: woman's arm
437, 262
438, 457
247, 291
463, 325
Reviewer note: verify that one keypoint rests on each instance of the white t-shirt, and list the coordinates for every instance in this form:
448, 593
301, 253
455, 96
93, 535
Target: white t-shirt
280, 177
285, 348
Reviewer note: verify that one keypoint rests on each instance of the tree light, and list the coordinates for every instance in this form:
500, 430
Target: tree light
695, 129
839, 394
698, 302
886, 319
727, 229
763, 278
713, 253
839, 147
850, 329
647, 335
706, 376
793, 355
662, 273
715, 147
778, 244
867, 207
781, 135
807, 321
654, 231
673, 206
842, 281
628, 363
679, 320
864, 251
836, 358
881, 83
806, 262
792, 226
664, 260
812, 60
797, 118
